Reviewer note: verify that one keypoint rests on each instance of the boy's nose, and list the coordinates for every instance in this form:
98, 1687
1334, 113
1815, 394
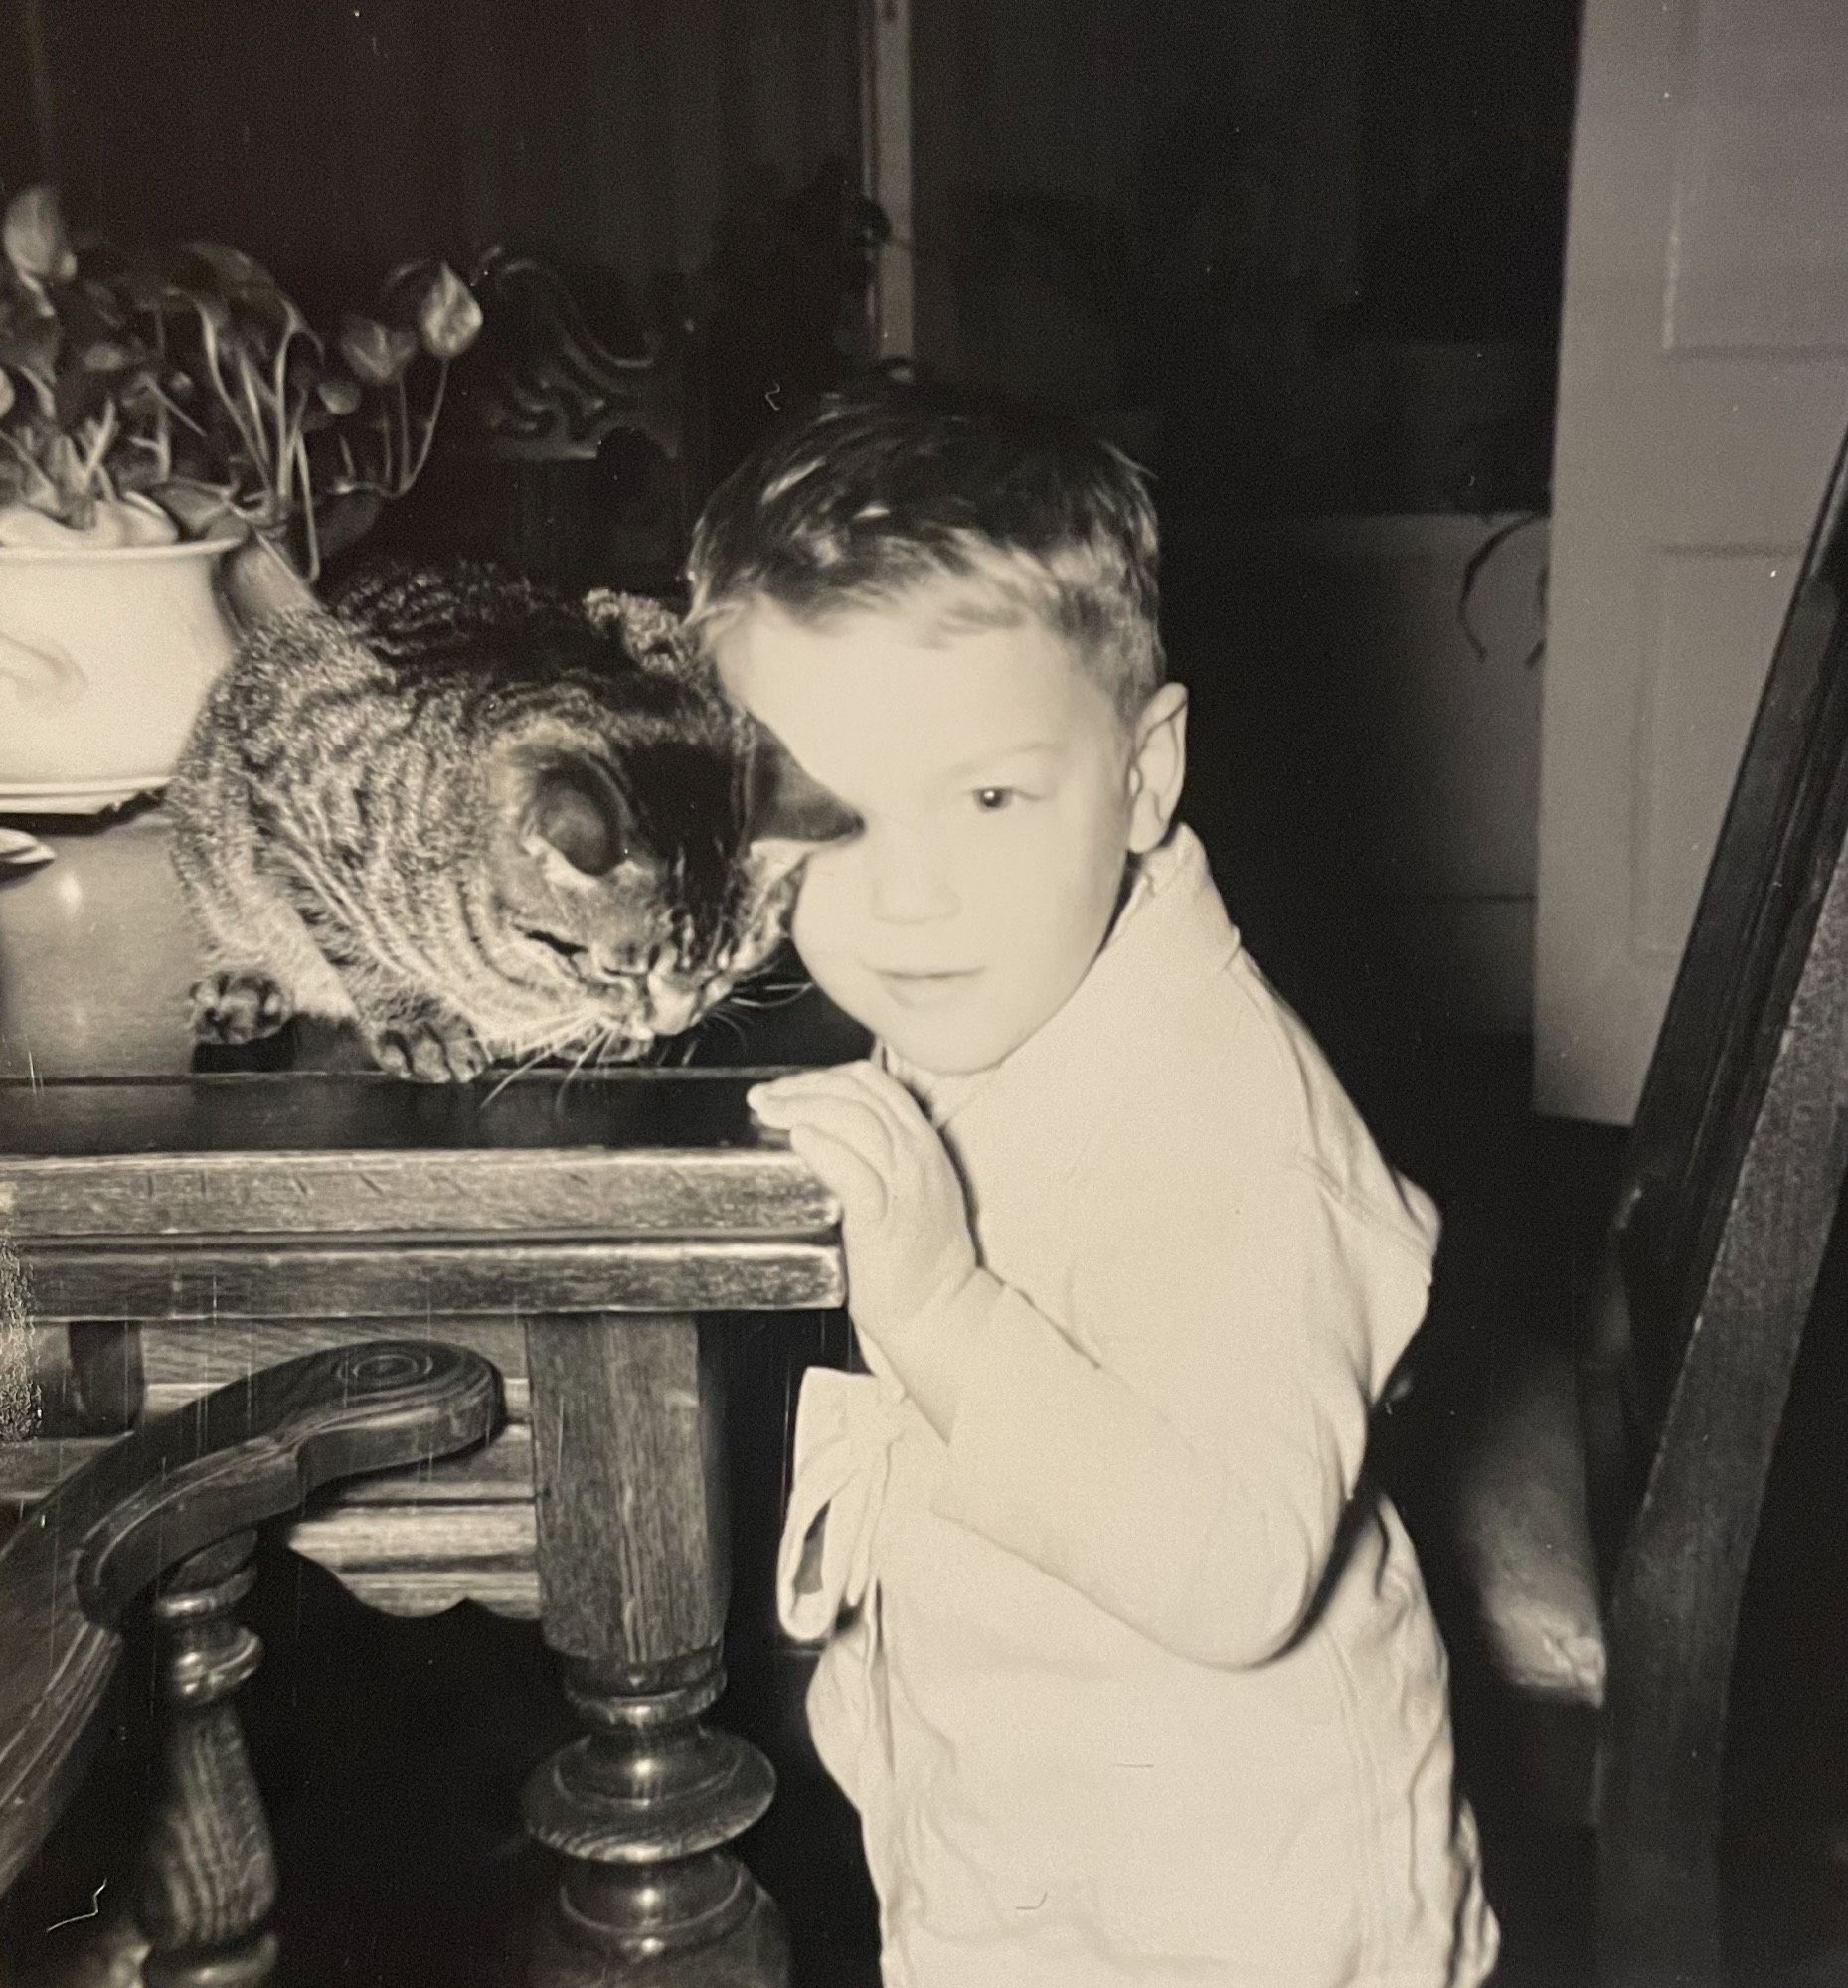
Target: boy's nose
907, 886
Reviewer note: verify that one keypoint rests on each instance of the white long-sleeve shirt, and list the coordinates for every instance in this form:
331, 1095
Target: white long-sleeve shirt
1133, 1680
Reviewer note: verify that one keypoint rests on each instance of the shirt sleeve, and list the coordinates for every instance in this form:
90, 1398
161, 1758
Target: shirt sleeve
1190, 1478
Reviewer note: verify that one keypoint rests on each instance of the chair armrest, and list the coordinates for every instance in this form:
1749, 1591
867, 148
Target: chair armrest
247, 1453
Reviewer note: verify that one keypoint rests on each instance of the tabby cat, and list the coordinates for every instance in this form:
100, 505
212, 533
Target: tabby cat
478, 818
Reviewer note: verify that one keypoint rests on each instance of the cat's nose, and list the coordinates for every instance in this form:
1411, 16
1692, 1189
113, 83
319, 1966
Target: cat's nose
672, 1007
614, 966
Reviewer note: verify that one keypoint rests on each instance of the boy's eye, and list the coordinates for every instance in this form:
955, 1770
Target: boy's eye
991, 801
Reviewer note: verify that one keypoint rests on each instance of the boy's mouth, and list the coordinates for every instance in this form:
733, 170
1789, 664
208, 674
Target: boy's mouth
925, 990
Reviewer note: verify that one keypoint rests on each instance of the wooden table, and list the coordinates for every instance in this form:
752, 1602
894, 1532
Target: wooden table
179, 1226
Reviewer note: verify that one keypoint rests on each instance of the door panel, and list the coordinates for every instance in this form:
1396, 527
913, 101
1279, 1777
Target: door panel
1703, 388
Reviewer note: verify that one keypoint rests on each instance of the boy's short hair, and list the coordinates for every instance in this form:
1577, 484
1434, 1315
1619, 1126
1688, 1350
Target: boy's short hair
885, 491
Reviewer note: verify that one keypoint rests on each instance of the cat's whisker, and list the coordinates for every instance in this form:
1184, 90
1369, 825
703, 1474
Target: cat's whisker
729, 1021
764, 1006
771, 993
516, 1070
531, 1061
610, 1045
589, 1043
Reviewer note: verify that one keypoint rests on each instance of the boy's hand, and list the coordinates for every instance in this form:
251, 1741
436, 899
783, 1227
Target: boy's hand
905, 1225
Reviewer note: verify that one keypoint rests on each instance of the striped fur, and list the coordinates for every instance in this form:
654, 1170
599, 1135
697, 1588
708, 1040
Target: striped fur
475, 818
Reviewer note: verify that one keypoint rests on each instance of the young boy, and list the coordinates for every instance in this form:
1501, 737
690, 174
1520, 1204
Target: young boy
1130, 1670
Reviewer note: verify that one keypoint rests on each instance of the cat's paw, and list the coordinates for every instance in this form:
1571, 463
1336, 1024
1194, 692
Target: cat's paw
237, 1005
427, 1049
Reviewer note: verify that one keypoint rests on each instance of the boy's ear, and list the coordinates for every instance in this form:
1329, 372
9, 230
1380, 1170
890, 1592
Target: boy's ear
1157, 766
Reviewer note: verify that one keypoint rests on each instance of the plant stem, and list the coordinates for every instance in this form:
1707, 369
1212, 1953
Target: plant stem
404, 432
101, 435
429, 422
293, 436
209, 339
384, 431
307, 509
283, 424
172, 407
45, 389
247, 378
40, 484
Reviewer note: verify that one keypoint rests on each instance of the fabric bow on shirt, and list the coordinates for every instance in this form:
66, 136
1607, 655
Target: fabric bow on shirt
845, 1426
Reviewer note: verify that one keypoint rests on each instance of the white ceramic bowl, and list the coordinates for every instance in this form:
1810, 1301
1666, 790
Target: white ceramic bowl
106, 653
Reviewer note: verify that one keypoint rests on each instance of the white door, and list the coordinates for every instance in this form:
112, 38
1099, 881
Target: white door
1703, 393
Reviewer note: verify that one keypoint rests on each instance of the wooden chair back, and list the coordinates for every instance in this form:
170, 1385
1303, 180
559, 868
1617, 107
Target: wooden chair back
1732, 1178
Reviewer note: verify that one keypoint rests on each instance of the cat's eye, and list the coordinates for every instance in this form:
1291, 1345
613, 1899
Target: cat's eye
566, 948
576, 822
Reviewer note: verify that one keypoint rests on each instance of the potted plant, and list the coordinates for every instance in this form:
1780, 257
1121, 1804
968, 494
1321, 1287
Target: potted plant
155, 407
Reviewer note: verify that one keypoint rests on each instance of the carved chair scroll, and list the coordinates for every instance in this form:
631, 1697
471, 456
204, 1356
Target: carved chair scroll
171, 1507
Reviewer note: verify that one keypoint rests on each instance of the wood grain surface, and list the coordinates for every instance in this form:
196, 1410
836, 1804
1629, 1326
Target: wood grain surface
248, 1452
632, 1538
1731, 1182
553, 1192
394, 1277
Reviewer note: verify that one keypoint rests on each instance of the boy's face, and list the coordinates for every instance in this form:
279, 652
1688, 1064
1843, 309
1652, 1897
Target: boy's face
999, 793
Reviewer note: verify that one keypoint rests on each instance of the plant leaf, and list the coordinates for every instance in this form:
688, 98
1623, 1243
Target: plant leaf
34, 236
32, 347
104, 302
232, 267
448, 317
106, 355
378, 353
337, 394
199, 509
247, 285
213, 310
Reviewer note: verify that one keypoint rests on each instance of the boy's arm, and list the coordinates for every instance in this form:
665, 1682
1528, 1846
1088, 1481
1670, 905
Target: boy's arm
1192, 1480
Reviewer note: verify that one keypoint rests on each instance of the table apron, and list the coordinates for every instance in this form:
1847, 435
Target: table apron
408, 1281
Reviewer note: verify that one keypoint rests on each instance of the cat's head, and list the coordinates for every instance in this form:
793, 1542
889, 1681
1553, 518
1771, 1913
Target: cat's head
644, 844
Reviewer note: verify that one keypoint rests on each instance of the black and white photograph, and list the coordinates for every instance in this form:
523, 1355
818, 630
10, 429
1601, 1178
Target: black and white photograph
924, 994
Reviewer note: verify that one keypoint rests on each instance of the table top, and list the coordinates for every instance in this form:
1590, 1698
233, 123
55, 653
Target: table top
97, 957
276, 1114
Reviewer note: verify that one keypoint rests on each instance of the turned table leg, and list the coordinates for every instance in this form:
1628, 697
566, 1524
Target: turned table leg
208, 1877
633, 1583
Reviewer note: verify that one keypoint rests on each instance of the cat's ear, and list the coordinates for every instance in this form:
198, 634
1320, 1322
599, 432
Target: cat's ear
576, 813
648, 629
788, 813
260, 585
